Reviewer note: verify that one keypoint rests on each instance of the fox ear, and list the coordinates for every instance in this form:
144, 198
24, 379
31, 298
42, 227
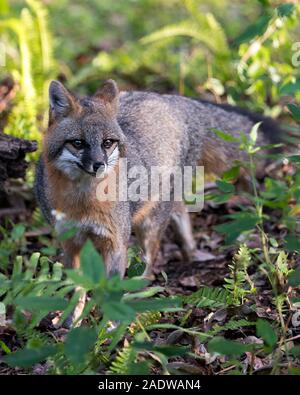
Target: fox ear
61, 100
109, 95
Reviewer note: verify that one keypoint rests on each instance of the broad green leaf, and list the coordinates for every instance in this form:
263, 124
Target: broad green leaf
80, 341
118, 311
231, 174
41, 303
225, 187
227, 347
294, 278
266, 332
91, 263
28, 357
292, 243
134, 284
234, 228
79, 279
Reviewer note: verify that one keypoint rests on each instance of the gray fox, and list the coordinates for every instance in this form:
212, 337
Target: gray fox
89, 135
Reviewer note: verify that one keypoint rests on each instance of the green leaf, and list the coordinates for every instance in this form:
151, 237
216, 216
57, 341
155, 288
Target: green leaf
290, 88
243, 222
256, 29
136, 268
4, 347
295, 351
227, 347
158, 304
79, 279
18, 232
28, 357
285, 9
294, 278
149, 292
31, 266
295, 110
118, 311
231, 174
294, 158
41, 303
225, 136
253, 133
266, 332
292, 243
225, 187
17, 267
134, 284
80, 341
91, 263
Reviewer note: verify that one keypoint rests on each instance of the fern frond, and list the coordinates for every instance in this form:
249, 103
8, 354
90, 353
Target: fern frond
145, 320
239, 282
37, 218
210, 297
123, 362
207, 31
231, 325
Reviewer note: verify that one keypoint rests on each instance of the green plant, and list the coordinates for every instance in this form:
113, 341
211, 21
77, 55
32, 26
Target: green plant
239, 282
39, 288
31, 64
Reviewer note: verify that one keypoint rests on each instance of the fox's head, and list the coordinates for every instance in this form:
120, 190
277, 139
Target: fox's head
83, 138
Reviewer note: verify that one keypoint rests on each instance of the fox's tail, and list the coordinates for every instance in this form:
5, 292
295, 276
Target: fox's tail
274, 131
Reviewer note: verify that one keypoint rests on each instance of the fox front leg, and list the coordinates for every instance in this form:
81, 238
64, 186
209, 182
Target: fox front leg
115, 259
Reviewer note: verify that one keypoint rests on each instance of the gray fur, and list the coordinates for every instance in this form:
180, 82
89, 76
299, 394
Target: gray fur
152, 130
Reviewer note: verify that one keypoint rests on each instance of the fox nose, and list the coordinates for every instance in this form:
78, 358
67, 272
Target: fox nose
97, 165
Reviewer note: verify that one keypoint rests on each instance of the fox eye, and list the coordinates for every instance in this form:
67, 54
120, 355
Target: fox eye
77, 143
107, 143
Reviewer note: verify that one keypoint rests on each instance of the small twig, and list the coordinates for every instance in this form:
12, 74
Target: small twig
226, 369
292, 338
